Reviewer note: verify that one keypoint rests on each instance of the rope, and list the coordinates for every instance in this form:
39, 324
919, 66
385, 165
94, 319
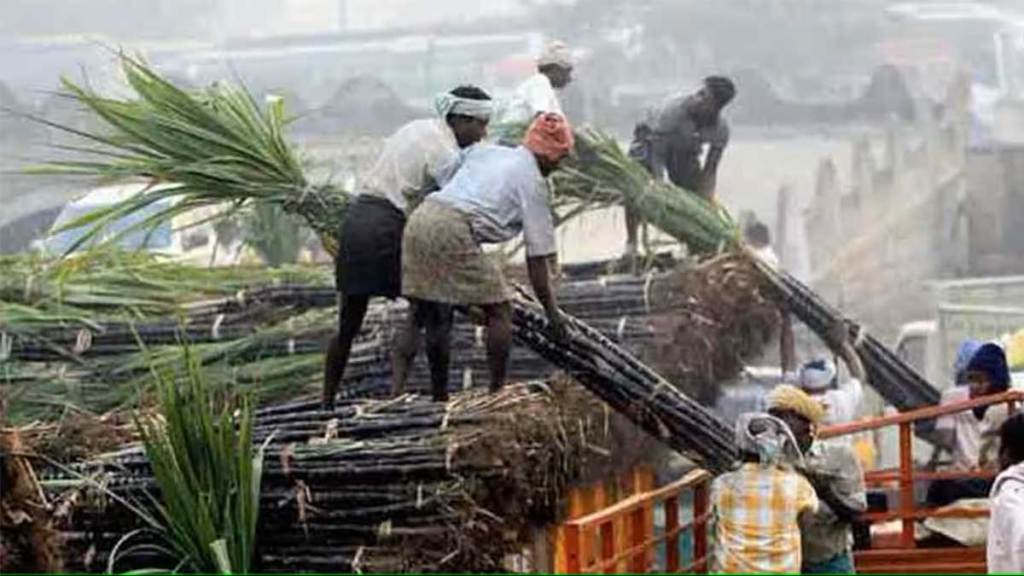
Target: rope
621, 329
215, 328
6, 345
83, 341
29, 280
648, 280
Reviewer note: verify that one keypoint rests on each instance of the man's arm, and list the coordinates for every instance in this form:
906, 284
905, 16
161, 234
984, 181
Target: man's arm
540, 280
841, 486
539, 233
838, 506
944, 433
787, 343
709, 174
853, 388
659, 156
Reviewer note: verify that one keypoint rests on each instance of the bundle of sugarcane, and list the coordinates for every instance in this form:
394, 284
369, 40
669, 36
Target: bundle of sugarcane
620, 300
631, 388
216, 147
599, 173
401, 484
136, 283
720, 318
282, 357
897, 382
604, 174
219, 145
278, 355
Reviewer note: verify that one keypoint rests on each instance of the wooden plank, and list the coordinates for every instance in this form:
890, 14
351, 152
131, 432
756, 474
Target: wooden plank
925, 568
672, 539
573, 563
955, 560
907, 483
608, 546
637, 535
700, 528
952, 554
693, 479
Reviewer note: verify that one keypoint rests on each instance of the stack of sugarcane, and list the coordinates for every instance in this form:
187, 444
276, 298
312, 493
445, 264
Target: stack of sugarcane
220, 146
282, 359
401, 484
269, 337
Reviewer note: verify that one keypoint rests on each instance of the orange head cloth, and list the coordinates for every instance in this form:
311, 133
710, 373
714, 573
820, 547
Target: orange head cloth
549, 136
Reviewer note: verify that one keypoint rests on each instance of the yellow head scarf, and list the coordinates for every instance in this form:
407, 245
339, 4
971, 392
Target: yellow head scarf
786, 397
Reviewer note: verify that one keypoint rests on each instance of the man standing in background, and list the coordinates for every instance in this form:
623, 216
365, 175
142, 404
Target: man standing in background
537, 94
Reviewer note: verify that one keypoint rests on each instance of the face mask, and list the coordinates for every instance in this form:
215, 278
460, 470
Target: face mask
775, 444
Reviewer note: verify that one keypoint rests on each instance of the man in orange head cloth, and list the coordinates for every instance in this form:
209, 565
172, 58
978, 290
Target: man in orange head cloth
497, 193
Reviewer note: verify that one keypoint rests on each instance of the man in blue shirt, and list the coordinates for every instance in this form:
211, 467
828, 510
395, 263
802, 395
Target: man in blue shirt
497, 193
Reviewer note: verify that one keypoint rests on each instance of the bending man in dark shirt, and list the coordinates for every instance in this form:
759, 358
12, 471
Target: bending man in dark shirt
672, 137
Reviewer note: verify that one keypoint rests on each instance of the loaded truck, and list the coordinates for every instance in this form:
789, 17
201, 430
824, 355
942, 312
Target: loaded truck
978, 308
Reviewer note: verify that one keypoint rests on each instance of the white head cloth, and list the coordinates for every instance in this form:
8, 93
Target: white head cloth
556, 53
769, 438
447, 103
818, 375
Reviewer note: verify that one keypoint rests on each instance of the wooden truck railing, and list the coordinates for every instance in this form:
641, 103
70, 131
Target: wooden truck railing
592, 544
896, 555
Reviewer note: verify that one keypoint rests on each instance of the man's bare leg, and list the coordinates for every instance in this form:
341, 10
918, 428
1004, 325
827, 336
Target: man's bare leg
437, 318
632, 241
352, 311
405, 346
499, 341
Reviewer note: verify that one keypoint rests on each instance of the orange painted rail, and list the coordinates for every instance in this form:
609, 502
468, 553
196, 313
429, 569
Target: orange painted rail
908, 512
595, 543
592, 545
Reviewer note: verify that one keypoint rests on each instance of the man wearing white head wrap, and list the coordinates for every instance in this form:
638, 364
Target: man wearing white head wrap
537, 94
449, 103
756, 508
415, 160
841, 397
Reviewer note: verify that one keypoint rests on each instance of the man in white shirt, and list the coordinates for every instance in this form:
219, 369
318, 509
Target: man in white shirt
537, 94
963, 433
841, 399
1005, 546
413, 163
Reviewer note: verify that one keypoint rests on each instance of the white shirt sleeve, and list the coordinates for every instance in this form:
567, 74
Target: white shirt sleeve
444, 167
1005, 547
540, 96
852, 393
948, 421
538, 222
